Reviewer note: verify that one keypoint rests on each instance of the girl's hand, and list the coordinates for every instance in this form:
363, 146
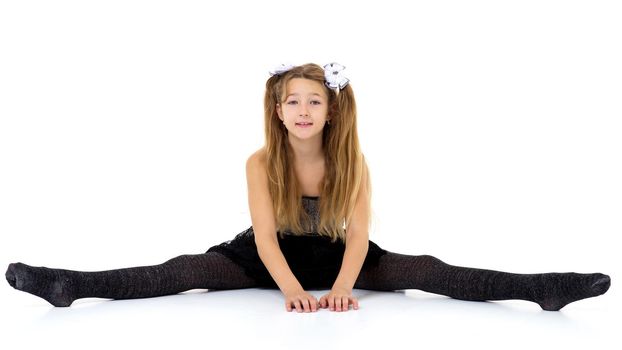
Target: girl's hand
339, 299
301, 300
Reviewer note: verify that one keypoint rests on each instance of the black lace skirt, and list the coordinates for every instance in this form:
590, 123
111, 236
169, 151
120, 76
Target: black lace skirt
314, 259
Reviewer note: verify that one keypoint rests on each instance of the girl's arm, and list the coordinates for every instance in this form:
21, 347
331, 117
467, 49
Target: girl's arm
353, 258
357, 244
357, 239
264, 226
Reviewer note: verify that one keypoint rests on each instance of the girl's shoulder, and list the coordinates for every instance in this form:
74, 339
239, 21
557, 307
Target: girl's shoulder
257, 160
259, 156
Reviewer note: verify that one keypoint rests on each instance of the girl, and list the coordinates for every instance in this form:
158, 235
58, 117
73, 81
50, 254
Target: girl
309, 197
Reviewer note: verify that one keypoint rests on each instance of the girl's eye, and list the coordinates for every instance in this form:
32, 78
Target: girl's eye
313, 102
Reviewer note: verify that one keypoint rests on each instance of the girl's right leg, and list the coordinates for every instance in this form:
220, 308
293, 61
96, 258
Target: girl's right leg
191, 271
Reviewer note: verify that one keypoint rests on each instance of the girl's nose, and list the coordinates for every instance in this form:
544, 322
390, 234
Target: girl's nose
304, 111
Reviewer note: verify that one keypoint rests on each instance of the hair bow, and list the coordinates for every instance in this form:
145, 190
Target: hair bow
333, 76
281, 68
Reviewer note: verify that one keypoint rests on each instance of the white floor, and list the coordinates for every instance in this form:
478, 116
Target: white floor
256, 318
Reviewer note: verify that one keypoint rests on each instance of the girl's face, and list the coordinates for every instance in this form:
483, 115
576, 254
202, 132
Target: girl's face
304, 109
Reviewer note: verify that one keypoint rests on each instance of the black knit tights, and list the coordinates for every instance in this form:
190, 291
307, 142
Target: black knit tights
551, 291
191, 271
211, 270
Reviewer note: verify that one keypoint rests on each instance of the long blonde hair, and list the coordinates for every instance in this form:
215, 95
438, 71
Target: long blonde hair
345, 164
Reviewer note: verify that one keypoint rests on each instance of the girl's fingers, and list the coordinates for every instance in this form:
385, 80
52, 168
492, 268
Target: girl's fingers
314, 303
297, 304
308, 303
337, 304
305, 305
333, 302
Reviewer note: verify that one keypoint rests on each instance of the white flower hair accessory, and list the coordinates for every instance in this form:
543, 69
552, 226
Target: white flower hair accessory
281, 68
334, 78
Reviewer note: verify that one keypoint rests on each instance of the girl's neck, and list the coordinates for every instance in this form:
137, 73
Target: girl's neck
307, 151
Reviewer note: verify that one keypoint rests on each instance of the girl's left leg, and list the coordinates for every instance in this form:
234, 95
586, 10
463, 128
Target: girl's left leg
551, 291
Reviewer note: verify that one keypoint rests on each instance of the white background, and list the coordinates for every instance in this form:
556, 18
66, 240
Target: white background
491, 128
